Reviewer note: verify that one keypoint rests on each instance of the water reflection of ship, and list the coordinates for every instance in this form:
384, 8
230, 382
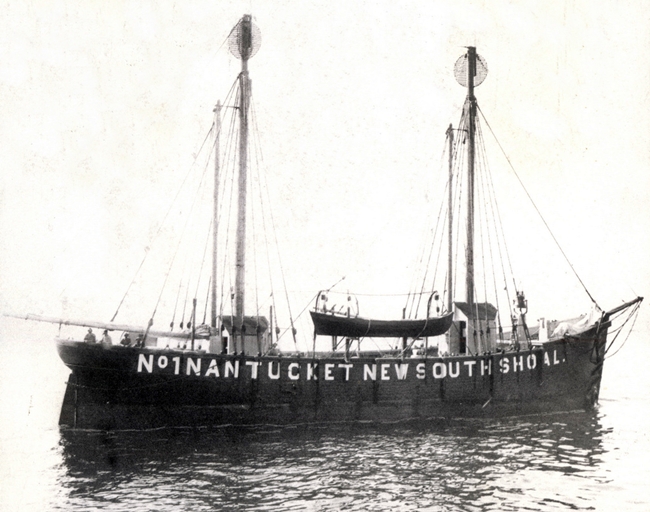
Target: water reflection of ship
562, 443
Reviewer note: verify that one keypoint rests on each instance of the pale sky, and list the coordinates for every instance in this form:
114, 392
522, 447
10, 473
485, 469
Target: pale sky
104, 104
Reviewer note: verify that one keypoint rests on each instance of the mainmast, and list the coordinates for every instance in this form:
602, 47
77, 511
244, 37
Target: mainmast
471, 150
244, 43
470, 71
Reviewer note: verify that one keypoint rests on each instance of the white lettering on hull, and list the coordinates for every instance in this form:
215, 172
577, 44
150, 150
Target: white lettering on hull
231, 369
370, 371
470, 367
254, 367
193, 366
531, 361
347, 367
401, 370
293, 371
274, 375
145, 362
439, 368
213, 369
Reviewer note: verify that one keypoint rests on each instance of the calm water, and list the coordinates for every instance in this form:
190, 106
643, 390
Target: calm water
598, 461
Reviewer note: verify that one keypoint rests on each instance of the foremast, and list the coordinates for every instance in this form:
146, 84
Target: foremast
240, 258
244, 43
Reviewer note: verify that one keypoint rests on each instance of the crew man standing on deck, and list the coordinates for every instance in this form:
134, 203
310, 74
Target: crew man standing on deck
107, 342
90, 337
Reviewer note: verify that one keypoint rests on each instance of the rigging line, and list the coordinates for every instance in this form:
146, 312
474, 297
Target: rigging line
216, 52
476, 317
297, 317
187, 293
196, 155
226, 253
187, 286
178, 191
219, 172
486, 189
178, 245
229, 166
435, 271
258, 158
434, 240
538, 212
263, 185
274, 319
633, 313
617, 330
503, 236
227, 108
494, 205
261, 178
205, 251
618, 314
427, 230
482, 229
199, 196
415, 278
500, 223
171, 325
229, 149
484, 171
460, 163
433, 243
262, 304
457, 164
254, 233
230, 108
207, 299
284, 282
259, 161
201, 193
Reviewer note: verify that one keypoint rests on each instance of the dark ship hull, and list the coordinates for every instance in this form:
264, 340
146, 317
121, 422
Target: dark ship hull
141, 388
